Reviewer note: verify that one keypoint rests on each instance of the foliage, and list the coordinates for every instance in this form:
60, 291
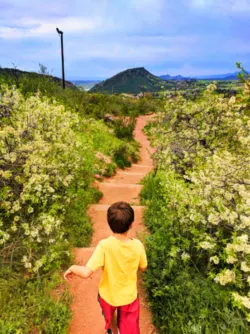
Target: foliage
49, 158
182, 300
94, 105
32, 306
40, 158
198, 200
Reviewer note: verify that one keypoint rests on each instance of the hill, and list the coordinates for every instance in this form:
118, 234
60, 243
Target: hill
85, 84
15, 74
167, 77
134, 80
226, 76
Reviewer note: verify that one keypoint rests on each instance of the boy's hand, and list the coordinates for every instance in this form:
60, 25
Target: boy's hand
68, 275
81, 271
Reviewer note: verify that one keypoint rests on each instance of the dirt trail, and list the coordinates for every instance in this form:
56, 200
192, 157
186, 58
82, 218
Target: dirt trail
87, 317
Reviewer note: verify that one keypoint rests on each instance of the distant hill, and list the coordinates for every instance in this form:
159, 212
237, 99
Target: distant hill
170, 77
15, 74
227, 76
85, 84
133, 81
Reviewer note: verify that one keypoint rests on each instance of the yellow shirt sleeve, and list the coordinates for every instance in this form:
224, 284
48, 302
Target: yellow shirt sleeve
97, 259
143, 258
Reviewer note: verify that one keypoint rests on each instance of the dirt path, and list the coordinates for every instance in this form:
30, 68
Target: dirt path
87, 317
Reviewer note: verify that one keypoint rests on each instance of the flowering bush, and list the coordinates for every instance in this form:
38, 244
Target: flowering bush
38, 162
48, 157
203, 187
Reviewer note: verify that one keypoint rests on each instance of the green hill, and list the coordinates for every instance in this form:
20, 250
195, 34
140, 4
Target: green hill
134, 81
15, 75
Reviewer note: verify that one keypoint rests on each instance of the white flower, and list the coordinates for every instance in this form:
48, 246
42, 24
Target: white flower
225, 277
24, 259
228, 196
16, 206
243, 300
214, 259
34, 233
14, 228
185, 256
213, 219
30, 209
232, 100
206, 245
242, 238
38, 264
51, 190
231, 259
245, 221
244, 267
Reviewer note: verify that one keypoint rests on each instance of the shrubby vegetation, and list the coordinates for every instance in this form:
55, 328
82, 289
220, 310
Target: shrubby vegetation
53, 142
49, 157
193, 89
198, 212
94, 105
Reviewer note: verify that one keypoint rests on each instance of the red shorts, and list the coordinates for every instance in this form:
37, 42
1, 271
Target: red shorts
127, 316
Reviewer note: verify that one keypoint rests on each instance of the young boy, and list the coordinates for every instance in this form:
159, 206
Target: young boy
120, 257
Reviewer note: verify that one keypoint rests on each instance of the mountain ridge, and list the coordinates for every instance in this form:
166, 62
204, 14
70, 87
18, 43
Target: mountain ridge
174, 77
226, 76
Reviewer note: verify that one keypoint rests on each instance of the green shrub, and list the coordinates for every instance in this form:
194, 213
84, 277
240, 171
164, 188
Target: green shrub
185, 302
182, 298
198, 214
124, 127
49, 157
27, 305
78, 227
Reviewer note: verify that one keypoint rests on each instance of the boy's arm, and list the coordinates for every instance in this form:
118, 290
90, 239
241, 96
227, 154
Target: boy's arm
96, 261
81, 271
143, 260
143, 269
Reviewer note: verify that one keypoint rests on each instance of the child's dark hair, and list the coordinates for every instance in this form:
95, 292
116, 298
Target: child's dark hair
120, 216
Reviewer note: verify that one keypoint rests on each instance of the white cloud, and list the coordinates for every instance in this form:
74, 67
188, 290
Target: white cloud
139, 49
222, 6
29, 27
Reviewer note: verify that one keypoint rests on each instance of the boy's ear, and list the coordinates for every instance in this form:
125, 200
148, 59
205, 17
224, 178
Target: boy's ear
131, 225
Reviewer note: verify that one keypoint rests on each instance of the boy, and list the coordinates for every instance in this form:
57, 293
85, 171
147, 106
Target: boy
119, 256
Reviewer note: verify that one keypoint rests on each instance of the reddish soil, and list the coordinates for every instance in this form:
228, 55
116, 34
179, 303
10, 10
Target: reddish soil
87, 317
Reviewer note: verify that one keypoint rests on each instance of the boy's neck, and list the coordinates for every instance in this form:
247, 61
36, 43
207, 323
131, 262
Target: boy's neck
121, 236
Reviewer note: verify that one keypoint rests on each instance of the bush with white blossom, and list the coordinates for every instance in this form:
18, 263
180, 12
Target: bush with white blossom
47, 154
203, 177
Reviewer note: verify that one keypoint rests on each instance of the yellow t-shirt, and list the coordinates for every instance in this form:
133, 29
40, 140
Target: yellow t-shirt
119, 261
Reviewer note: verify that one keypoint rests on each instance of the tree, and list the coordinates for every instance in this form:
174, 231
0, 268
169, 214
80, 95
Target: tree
43, 69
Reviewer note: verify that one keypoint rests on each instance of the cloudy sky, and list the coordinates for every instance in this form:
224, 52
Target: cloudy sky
103, 37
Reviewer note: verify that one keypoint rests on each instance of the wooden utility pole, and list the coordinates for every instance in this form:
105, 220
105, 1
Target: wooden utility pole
62, 54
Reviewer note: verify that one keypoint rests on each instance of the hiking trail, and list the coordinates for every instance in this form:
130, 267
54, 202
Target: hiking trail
87, 316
